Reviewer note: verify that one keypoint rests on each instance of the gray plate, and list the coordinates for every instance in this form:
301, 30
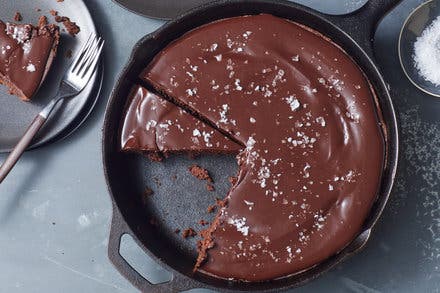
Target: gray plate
162, 9
15, 115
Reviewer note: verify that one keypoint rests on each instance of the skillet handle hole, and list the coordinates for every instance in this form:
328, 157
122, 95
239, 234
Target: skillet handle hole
141, 262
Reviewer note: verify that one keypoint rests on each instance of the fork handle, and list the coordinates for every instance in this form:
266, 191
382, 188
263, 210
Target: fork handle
21, 146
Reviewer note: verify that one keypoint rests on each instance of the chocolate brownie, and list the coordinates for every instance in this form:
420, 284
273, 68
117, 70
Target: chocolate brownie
154, 125
314, 144
26, 55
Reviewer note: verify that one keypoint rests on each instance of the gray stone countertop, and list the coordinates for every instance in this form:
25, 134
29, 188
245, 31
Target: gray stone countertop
55, 209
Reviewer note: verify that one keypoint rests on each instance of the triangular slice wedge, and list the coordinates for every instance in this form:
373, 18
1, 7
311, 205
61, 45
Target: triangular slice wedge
154, 126
26, 55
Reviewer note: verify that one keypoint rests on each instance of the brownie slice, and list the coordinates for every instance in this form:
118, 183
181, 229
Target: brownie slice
26, 55
155, 126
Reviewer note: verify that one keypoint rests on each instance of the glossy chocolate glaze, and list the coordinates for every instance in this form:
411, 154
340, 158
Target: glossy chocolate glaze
315, 150
152, 124
26, 53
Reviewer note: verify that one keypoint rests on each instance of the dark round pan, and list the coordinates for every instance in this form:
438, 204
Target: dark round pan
178, 204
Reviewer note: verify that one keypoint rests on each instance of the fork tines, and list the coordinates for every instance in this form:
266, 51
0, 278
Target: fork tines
86, 60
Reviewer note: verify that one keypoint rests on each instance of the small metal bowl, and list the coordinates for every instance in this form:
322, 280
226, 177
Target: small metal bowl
413, 27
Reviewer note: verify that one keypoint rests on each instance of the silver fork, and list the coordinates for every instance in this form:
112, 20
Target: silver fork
74, 81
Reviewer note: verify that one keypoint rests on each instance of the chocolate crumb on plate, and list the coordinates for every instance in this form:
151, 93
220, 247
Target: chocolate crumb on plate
189, 232
210, 187
221, 202
199, 172
203, 222
177, 231
71, 27
18, 17
232, 180
157, 181
155, 157
53, 12
211, 209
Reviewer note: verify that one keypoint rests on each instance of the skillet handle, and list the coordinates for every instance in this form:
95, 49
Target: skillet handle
361, 24
119, 228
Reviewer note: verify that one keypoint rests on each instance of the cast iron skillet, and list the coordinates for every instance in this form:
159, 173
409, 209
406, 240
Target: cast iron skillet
127, 174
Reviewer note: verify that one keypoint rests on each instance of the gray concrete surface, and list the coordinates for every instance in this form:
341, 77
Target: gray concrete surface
55, 210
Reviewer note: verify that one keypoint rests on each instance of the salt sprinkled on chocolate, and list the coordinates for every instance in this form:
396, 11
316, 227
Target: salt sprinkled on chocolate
151, 121
30, 68
27, 52
292, 108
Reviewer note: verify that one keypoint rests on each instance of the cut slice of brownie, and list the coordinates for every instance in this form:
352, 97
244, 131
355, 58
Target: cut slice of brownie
26, 55
155, 126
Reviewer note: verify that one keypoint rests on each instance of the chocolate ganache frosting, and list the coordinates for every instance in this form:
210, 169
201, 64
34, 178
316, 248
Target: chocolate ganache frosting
156, 126
314, 152
26, 54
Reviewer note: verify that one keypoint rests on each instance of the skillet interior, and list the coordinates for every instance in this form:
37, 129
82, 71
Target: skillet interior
180, 202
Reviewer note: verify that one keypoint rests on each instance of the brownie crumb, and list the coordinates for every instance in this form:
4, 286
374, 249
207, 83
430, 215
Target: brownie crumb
177, 231
203, 245
42, 21
148, 192
211, 209
157, 181
221, 203
189, 233
232, 180
69, 53
200, 173
203, 222
155, 157
53, 12
60, 1
174, 177
210, 187
18, 17
71, 27
37, 9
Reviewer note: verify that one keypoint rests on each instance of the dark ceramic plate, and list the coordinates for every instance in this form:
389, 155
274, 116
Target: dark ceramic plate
162, 9
15, 115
